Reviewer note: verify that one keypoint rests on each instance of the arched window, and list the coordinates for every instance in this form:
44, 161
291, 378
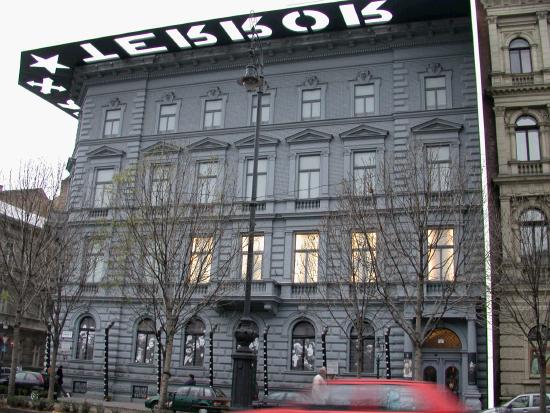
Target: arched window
86, 338
527, 139
533, 233
520, 56
145, 342
443, 338
303, 347
367, 363
194, 343
534, 367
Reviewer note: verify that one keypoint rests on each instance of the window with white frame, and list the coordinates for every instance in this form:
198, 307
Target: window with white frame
311, 104
266, 108
160, 184
441, 254
520, 56
306, 257
261, 179
103, 187
86, 339
207, 176
145, 342
364, 100
309, 171
527, 139
258, 253
439, 167
201, 260
533, 233
303, 347
112, 122
96, 261
167, 118
435, 92
364, 172
213, 114
194, 343
363, 252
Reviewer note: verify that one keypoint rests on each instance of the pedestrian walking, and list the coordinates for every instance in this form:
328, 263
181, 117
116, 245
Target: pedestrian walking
190, 381
318, 386
59, 381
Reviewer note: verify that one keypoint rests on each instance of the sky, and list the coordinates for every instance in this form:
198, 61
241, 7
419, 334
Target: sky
33, 129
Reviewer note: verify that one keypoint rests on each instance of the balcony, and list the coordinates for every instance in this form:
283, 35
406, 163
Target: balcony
306, 204
523, 79
264, 295
98, 212
260, 206
529, 168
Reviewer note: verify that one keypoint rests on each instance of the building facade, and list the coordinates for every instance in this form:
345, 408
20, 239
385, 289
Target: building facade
520, 84
331, 98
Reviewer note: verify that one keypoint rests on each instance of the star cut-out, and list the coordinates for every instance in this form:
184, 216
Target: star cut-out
50, 64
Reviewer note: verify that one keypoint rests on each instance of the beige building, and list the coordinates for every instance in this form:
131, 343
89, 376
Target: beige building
520, 87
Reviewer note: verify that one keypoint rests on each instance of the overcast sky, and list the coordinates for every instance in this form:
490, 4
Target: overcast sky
32, 128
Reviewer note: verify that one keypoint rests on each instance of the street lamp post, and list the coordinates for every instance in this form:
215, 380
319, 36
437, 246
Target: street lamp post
243, 357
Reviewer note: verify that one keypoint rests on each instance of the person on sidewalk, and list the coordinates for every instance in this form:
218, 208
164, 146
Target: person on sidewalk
59, 381
318, 386
190, 381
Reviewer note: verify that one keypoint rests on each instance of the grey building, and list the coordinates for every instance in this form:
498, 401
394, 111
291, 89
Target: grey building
331, 97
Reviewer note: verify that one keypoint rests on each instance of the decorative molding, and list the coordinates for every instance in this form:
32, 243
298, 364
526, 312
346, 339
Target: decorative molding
115, 103
207, 144
263, 140
437, 125
307, 136
434, 68
214, 92
364, 76
169, 97
311, 81
105, 152
161, 148
364, 132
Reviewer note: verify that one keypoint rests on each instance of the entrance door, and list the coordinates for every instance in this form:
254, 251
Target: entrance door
443, 370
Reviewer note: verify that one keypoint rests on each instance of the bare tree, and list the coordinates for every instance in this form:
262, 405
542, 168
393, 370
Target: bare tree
522, 283
27, 244
420, 223
169, 228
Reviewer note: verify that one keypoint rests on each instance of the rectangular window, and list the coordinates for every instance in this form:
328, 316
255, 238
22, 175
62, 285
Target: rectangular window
436, 92
139, 392
258, 253
112, 123
364, 172
206, 180
363, 251
167, 118
160, 184
534, 368
306, 257
80, 387
261, 180
103, 188
441, 254
96, 264
201, 260
309, 170
439, 167
527, 145
311, 104
364, 100
213, 114
266, 108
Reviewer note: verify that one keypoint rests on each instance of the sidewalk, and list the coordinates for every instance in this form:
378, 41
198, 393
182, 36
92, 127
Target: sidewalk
118, 407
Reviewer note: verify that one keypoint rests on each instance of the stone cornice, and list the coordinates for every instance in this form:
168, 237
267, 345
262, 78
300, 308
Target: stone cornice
505, 90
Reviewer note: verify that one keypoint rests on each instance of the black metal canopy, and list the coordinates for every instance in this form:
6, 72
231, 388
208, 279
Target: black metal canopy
48, 72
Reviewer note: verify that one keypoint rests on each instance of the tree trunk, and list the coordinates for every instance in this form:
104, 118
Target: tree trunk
359, 354
542, 380
417, 372
14, 352
52, 370
169, 346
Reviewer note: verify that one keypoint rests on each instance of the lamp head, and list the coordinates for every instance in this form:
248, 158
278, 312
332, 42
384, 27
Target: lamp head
251, 79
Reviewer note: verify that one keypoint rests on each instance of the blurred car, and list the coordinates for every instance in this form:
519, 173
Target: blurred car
371, 395
27, 381
278, 398
194, 398
523, 403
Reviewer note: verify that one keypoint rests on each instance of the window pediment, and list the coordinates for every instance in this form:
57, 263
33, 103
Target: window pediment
106, 152
263, 140
161, 148
364, 132
308, 136
207, 144
436, 126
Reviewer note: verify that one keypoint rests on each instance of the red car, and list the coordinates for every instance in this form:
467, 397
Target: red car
370, 395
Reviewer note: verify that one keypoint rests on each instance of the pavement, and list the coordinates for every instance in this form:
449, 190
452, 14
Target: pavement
114, 406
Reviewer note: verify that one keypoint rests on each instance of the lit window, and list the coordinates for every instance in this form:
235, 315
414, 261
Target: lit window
258, 253
261, 179
303, 347
439, 167
368, 350
441, 255
266, 107
96, 264
306, 257
309, 169
160, 184
194, 343
145, 342
112, 123
207, 177
201, 260
103, 188
364, 100
520, 56
167, 118
364, 172
527, 139
533, 233
363, 251
86, 338
311, 104
436, 93
213, 114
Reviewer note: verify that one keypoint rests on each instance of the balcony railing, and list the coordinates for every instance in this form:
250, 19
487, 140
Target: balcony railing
307, 204
98, 212
529, 168
260, 206
523, 79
